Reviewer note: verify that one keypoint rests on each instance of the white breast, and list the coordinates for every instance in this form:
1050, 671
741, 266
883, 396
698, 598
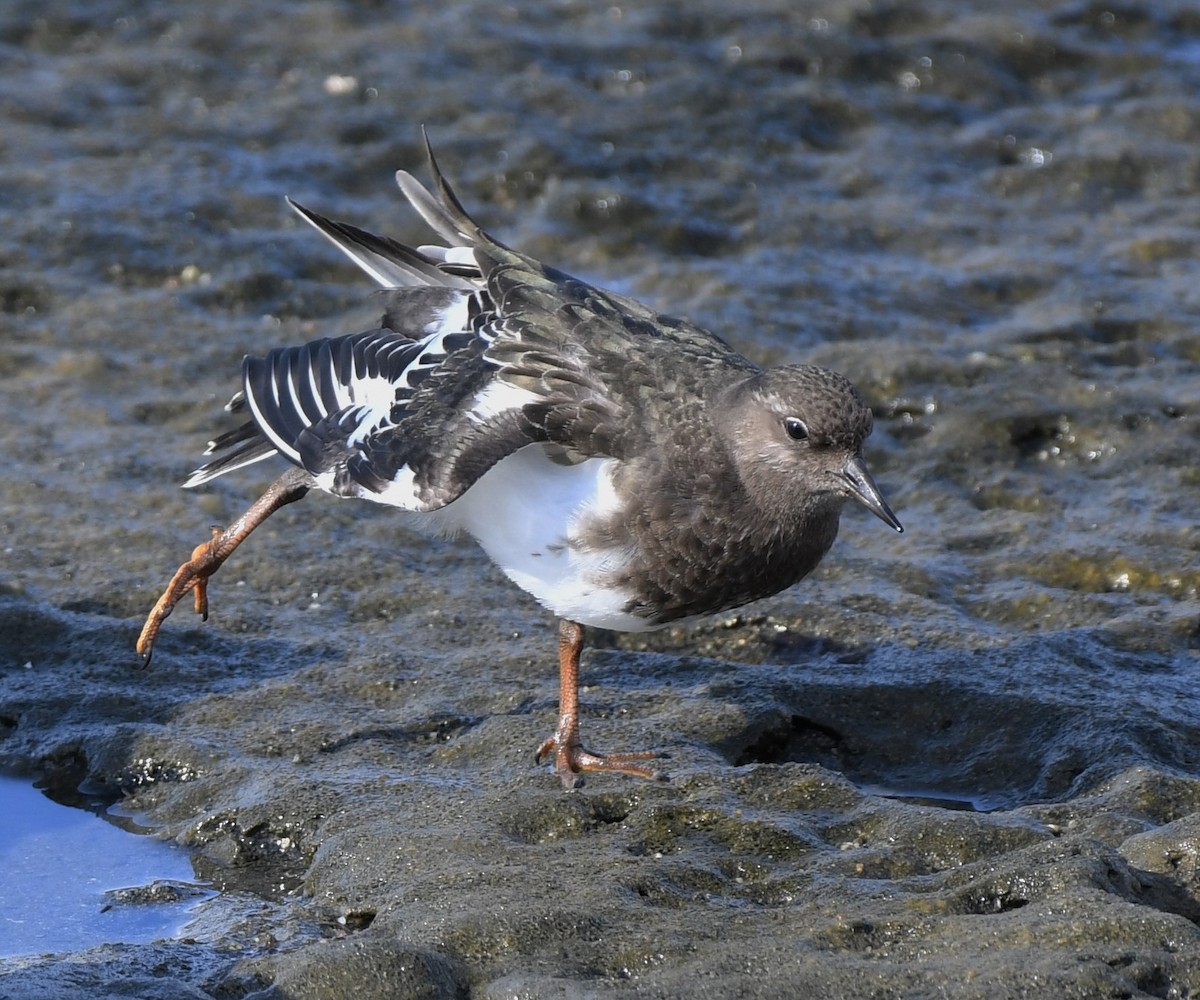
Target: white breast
527, 512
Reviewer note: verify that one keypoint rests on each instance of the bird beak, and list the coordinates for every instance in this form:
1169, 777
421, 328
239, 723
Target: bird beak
862, 487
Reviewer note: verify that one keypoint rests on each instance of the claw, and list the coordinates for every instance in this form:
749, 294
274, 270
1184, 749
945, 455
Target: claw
571, 760
192, 575
207, 557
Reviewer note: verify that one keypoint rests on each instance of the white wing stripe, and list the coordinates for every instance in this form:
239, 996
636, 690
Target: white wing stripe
341, 393
264, 425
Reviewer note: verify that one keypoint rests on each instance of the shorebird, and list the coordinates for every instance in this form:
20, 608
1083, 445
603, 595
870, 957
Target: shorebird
627, 469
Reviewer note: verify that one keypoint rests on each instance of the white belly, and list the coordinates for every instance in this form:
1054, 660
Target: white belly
526, 513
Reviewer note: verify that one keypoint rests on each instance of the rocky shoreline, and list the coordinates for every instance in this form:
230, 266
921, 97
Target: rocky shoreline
960, 763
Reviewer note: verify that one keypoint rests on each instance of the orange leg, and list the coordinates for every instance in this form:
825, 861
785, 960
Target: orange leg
570, 758
208, 556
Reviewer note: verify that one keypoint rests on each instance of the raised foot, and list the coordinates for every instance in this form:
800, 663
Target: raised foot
192, 575
208, 557
570, 760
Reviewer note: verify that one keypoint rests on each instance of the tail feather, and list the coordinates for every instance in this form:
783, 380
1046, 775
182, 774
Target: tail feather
234, 450
444, 214
391, 264
356, 382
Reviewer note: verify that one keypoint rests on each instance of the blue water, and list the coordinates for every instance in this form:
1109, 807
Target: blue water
61, 870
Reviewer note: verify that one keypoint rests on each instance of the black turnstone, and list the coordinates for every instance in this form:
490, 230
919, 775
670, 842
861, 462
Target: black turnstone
627, 469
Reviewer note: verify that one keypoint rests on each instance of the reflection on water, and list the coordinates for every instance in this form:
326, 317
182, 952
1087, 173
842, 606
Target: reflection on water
71, 880
933, 799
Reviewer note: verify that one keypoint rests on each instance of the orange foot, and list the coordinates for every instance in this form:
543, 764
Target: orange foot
192, 575
208, 557
570, 760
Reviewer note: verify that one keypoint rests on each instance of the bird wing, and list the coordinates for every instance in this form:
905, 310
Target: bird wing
587, 365
481, 351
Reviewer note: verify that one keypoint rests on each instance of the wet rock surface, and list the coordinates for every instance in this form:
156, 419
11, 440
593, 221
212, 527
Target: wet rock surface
961, 762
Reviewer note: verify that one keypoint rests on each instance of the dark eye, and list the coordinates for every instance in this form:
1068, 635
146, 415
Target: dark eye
796, 429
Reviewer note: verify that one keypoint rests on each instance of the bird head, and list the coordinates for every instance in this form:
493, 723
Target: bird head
796, 434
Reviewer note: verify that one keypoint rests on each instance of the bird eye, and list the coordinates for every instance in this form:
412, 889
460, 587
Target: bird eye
796, 429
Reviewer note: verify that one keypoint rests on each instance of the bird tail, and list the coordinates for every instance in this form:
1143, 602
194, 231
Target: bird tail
444, 214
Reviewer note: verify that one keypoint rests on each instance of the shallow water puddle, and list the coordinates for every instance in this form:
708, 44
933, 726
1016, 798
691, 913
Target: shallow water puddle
933, 799
70, 879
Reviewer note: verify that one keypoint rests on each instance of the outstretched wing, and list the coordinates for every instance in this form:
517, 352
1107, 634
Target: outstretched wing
588, 366
377, 414
481, 351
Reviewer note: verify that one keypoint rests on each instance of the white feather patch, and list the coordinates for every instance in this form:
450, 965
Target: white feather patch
498, 397
376, 396
529, 514
400, 492
452, 319
449, 255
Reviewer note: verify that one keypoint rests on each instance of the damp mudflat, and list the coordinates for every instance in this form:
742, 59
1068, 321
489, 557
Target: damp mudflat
960, 762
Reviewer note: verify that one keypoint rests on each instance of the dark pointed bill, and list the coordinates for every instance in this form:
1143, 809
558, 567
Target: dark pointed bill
864, 490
